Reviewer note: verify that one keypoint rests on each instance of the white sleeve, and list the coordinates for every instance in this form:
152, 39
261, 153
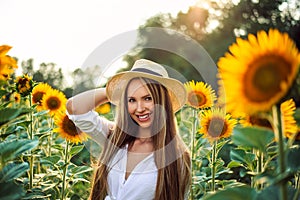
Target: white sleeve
95, 126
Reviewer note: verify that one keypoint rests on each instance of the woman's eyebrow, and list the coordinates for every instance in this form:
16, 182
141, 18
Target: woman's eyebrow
147, 95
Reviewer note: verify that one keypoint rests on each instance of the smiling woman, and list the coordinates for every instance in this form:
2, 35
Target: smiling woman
140, 104
143, 156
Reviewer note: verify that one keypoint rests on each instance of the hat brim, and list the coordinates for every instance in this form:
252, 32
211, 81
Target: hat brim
117, 84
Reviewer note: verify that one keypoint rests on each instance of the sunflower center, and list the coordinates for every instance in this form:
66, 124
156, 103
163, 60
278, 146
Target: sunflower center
53, 103
217, 127
37, 97
256, 120
196, 99
69, 127
264, 77
23, 82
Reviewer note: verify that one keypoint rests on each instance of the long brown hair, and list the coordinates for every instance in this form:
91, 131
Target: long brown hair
171, 155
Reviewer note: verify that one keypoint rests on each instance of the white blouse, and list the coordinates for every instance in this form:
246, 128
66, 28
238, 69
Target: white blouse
141, 183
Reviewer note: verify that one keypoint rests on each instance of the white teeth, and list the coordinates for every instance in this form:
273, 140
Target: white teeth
143, 117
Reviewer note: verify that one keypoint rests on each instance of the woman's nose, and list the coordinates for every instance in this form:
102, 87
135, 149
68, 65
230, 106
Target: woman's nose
140, 106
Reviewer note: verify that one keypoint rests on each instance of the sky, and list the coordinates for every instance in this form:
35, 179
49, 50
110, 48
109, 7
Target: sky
66, 32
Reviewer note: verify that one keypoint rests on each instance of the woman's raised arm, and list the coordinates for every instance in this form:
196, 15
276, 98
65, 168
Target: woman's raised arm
86, 101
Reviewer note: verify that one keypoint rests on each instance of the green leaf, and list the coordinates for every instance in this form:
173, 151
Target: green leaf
242, 156
36, 195
2, 93
273, 192
75, 150
234, 164
41, 113
9, 150
57, 147
293, 161
11, 191
52, 160
12, 171
236, 193
76, 180
253, 137
80, 170
44, 130
8, 114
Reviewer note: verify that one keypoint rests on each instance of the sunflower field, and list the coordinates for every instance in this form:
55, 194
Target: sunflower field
243, 138
245, 142
39, 144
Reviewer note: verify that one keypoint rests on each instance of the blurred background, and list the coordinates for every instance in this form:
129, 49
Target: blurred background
69, 44
52, 39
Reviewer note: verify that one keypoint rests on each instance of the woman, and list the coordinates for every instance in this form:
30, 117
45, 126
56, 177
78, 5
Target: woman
143, 157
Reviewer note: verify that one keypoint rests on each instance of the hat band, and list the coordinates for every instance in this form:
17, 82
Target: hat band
146, 71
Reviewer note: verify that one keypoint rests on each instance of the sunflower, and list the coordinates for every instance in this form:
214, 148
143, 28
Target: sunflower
200, 95
7, 63
54, 100
67, 129
4, 49
38, 92
289, 123
24, 85
259, 71
216, 124
103, 108
255, 120
15, 97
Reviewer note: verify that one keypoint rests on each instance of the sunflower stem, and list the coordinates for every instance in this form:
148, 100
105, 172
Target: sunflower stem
193, 149
213, 169
259, 168
65, 171
31, 159
50, 136
281, 150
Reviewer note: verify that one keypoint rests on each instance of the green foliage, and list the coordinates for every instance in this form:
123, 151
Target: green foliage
36, 163
47, 73
12, 171
273, 192
253, 137
11, 191
9, 114
9, 150
293, 164
11, 168
253, 169
236, 193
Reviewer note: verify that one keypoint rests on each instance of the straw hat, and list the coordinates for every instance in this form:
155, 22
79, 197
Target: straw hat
147, 69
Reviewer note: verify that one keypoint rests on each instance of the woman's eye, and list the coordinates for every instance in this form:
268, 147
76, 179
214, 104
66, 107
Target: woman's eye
148, 98
131, 100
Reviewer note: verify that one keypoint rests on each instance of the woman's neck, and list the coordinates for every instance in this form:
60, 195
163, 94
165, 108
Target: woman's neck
144, 135
144, 140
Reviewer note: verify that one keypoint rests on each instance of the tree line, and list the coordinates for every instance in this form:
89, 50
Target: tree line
215, 28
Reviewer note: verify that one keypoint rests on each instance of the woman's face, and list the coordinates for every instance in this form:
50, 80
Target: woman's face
140, 103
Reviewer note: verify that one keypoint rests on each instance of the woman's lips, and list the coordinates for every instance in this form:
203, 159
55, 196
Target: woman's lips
143, 118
